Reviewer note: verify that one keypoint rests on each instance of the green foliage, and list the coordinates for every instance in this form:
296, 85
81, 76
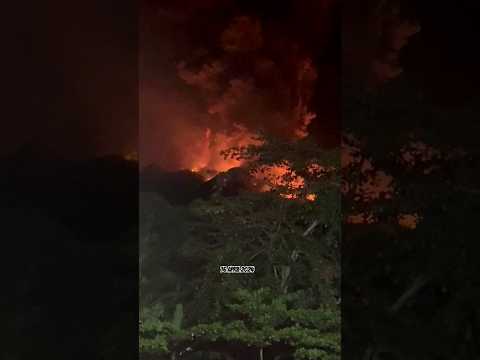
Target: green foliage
267, 319
157, 335
256, 319
162, 229
153, 331
178, 317
288, 306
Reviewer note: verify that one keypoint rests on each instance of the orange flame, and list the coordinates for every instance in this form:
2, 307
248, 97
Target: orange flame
283, 176
208, 161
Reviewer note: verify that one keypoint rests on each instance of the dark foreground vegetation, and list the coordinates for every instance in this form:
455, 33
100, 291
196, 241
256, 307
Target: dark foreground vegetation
288, 309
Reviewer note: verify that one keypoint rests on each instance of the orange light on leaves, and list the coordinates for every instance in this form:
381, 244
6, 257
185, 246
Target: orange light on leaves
208, 161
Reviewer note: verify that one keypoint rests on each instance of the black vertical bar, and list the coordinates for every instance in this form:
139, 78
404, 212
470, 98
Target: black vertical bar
69, 197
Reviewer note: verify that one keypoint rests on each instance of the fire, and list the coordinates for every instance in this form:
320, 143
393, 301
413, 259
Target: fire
208, 159
283, 176
280, 175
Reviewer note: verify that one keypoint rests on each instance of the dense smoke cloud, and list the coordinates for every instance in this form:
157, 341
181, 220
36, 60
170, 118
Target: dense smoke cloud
222, 72
375, 34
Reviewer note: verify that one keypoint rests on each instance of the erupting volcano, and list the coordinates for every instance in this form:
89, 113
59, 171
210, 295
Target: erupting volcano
227, 84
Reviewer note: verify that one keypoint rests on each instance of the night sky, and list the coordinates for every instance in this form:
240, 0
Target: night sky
72, 79
443, 58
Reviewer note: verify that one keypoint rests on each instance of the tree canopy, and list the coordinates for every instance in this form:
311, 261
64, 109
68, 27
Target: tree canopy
289, 308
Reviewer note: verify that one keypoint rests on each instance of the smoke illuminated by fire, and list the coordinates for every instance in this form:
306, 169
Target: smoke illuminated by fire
217, 98
208, 161
207, 158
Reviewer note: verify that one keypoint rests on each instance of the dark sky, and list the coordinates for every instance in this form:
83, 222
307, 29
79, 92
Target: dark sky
443, 58
72, 78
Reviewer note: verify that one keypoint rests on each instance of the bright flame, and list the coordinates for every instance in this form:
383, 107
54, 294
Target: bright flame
208, 161
283, 176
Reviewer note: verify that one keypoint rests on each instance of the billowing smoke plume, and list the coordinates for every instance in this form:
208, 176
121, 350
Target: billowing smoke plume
374, 36
203, 93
